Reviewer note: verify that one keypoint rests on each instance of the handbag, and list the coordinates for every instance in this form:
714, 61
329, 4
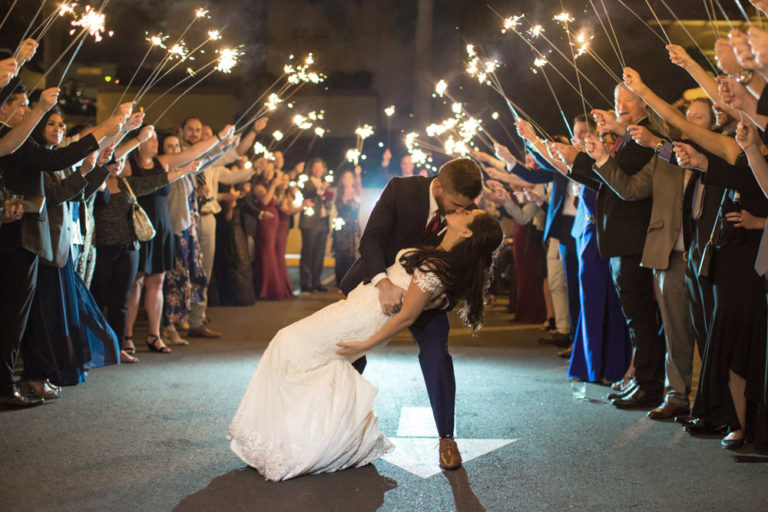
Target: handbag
142, 226
705, 266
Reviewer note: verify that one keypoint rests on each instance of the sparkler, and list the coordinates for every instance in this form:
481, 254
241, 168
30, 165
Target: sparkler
10, 9
338, 224
643, 22
176, 49
614, 42
573, 58
540, 62
227, 59
155, 40
29, 26
361, 133
658, 22
92, 22
389, 112
295, 76
693, 39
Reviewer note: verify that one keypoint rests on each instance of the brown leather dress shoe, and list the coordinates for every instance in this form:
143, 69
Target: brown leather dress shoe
668, 410
203, 332
450, 458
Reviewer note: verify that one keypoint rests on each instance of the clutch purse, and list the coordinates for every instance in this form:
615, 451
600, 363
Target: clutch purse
142, 226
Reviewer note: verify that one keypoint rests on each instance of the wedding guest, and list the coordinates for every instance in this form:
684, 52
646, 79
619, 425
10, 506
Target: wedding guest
314, 225
268, 280
186, 281
732, 380
346, 226
21, 243
66, 334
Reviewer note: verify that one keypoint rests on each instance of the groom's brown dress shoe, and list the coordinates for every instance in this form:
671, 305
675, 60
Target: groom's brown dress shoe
450, 458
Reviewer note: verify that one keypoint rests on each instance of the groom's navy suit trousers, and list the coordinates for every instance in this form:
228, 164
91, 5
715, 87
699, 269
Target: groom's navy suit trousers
397, 222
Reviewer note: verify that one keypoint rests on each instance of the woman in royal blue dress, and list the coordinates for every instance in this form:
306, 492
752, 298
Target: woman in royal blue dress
66, 333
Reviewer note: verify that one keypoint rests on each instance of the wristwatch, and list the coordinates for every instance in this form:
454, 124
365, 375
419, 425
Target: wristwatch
745, 76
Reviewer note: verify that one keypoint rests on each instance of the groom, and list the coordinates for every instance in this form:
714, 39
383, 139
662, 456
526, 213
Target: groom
411, 212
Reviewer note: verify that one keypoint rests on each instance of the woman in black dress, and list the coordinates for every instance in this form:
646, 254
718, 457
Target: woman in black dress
157, 255
732, 381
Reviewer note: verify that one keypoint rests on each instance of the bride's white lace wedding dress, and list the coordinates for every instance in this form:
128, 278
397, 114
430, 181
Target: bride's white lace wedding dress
306, 409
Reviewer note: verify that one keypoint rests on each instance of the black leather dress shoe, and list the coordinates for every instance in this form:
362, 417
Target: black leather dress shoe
701, 427
638, 398
622, 394
18, 400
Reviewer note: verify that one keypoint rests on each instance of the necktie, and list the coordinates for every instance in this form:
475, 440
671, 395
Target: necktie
432, 226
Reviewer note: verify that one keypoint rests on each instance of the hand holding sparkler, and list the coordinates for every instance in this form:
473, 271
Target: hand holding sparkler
607, 121
145, 134
8, 69
504, 154
742, 49
760, 4
48, 98
133, 122
689, 158
746, 135
566, 153
260, 124
495, 192
525, 131
643, 136
26, 51
726, 88
595, 148
678, 56
633, 81
759, 41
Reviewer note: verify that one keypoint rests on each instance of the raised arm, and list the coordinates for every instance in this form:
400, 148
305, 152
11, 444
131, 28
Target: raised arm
747, 138
19, 133
715, 143
174, 161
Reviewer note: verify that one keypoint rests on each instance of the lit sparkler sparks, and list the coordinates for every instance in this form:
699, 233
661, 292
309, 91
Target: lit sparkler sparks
338, 224
389, 111
353, 156
228, 59
563, 17
261, 149
495, 116
536, 31
302, 73
272, 102
277, 135
91, 21
201, 13
157, 40
320, 132
512, 23
364, 131
441, 87
214, 35
65, 8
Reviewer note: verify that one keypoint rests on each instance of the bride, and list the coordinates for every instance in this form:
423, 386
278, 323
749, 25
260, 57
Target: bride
306, 409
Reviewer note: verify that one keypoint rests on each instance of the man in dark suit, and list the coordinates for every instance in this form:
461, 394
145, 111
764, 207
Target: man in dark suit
23, 242
411, 212
621, 231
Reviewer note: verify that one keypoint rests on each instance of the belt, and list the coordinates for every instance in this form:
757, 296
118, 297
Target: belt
683, 255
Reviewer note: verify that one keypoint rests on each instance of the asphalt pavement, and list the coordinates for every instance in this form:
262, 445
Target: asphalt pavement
152, 436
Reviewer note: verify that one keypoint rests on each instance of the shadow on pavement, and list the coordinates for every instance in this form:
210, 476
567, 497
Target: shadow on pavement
463, 496
246, 489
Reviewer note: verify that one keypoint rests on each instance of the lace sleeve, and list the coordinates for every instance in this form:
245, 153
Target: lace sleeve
427, 282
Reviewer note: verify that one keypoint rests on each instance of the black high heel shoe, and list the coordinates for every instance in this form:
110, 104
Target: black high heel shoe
152, 345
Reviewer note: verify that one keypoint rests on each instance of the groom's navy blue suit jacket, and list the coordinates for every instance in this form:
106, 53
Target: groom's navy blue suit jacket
397, 221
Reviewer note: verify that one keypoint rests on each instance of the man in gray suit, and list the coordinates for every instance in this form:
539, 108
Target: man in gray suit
664, 252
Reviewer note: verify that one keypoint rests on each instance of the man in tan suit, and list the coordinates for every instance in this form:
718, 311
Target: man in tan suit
664, 252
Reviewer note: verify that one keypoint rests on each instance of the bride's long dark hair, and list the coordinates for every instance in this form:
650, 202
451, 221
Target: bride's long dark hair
465, 270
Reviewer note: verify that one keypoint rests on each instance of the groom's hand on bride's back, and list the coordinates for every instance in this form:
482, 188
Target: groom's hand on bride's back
390, 296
